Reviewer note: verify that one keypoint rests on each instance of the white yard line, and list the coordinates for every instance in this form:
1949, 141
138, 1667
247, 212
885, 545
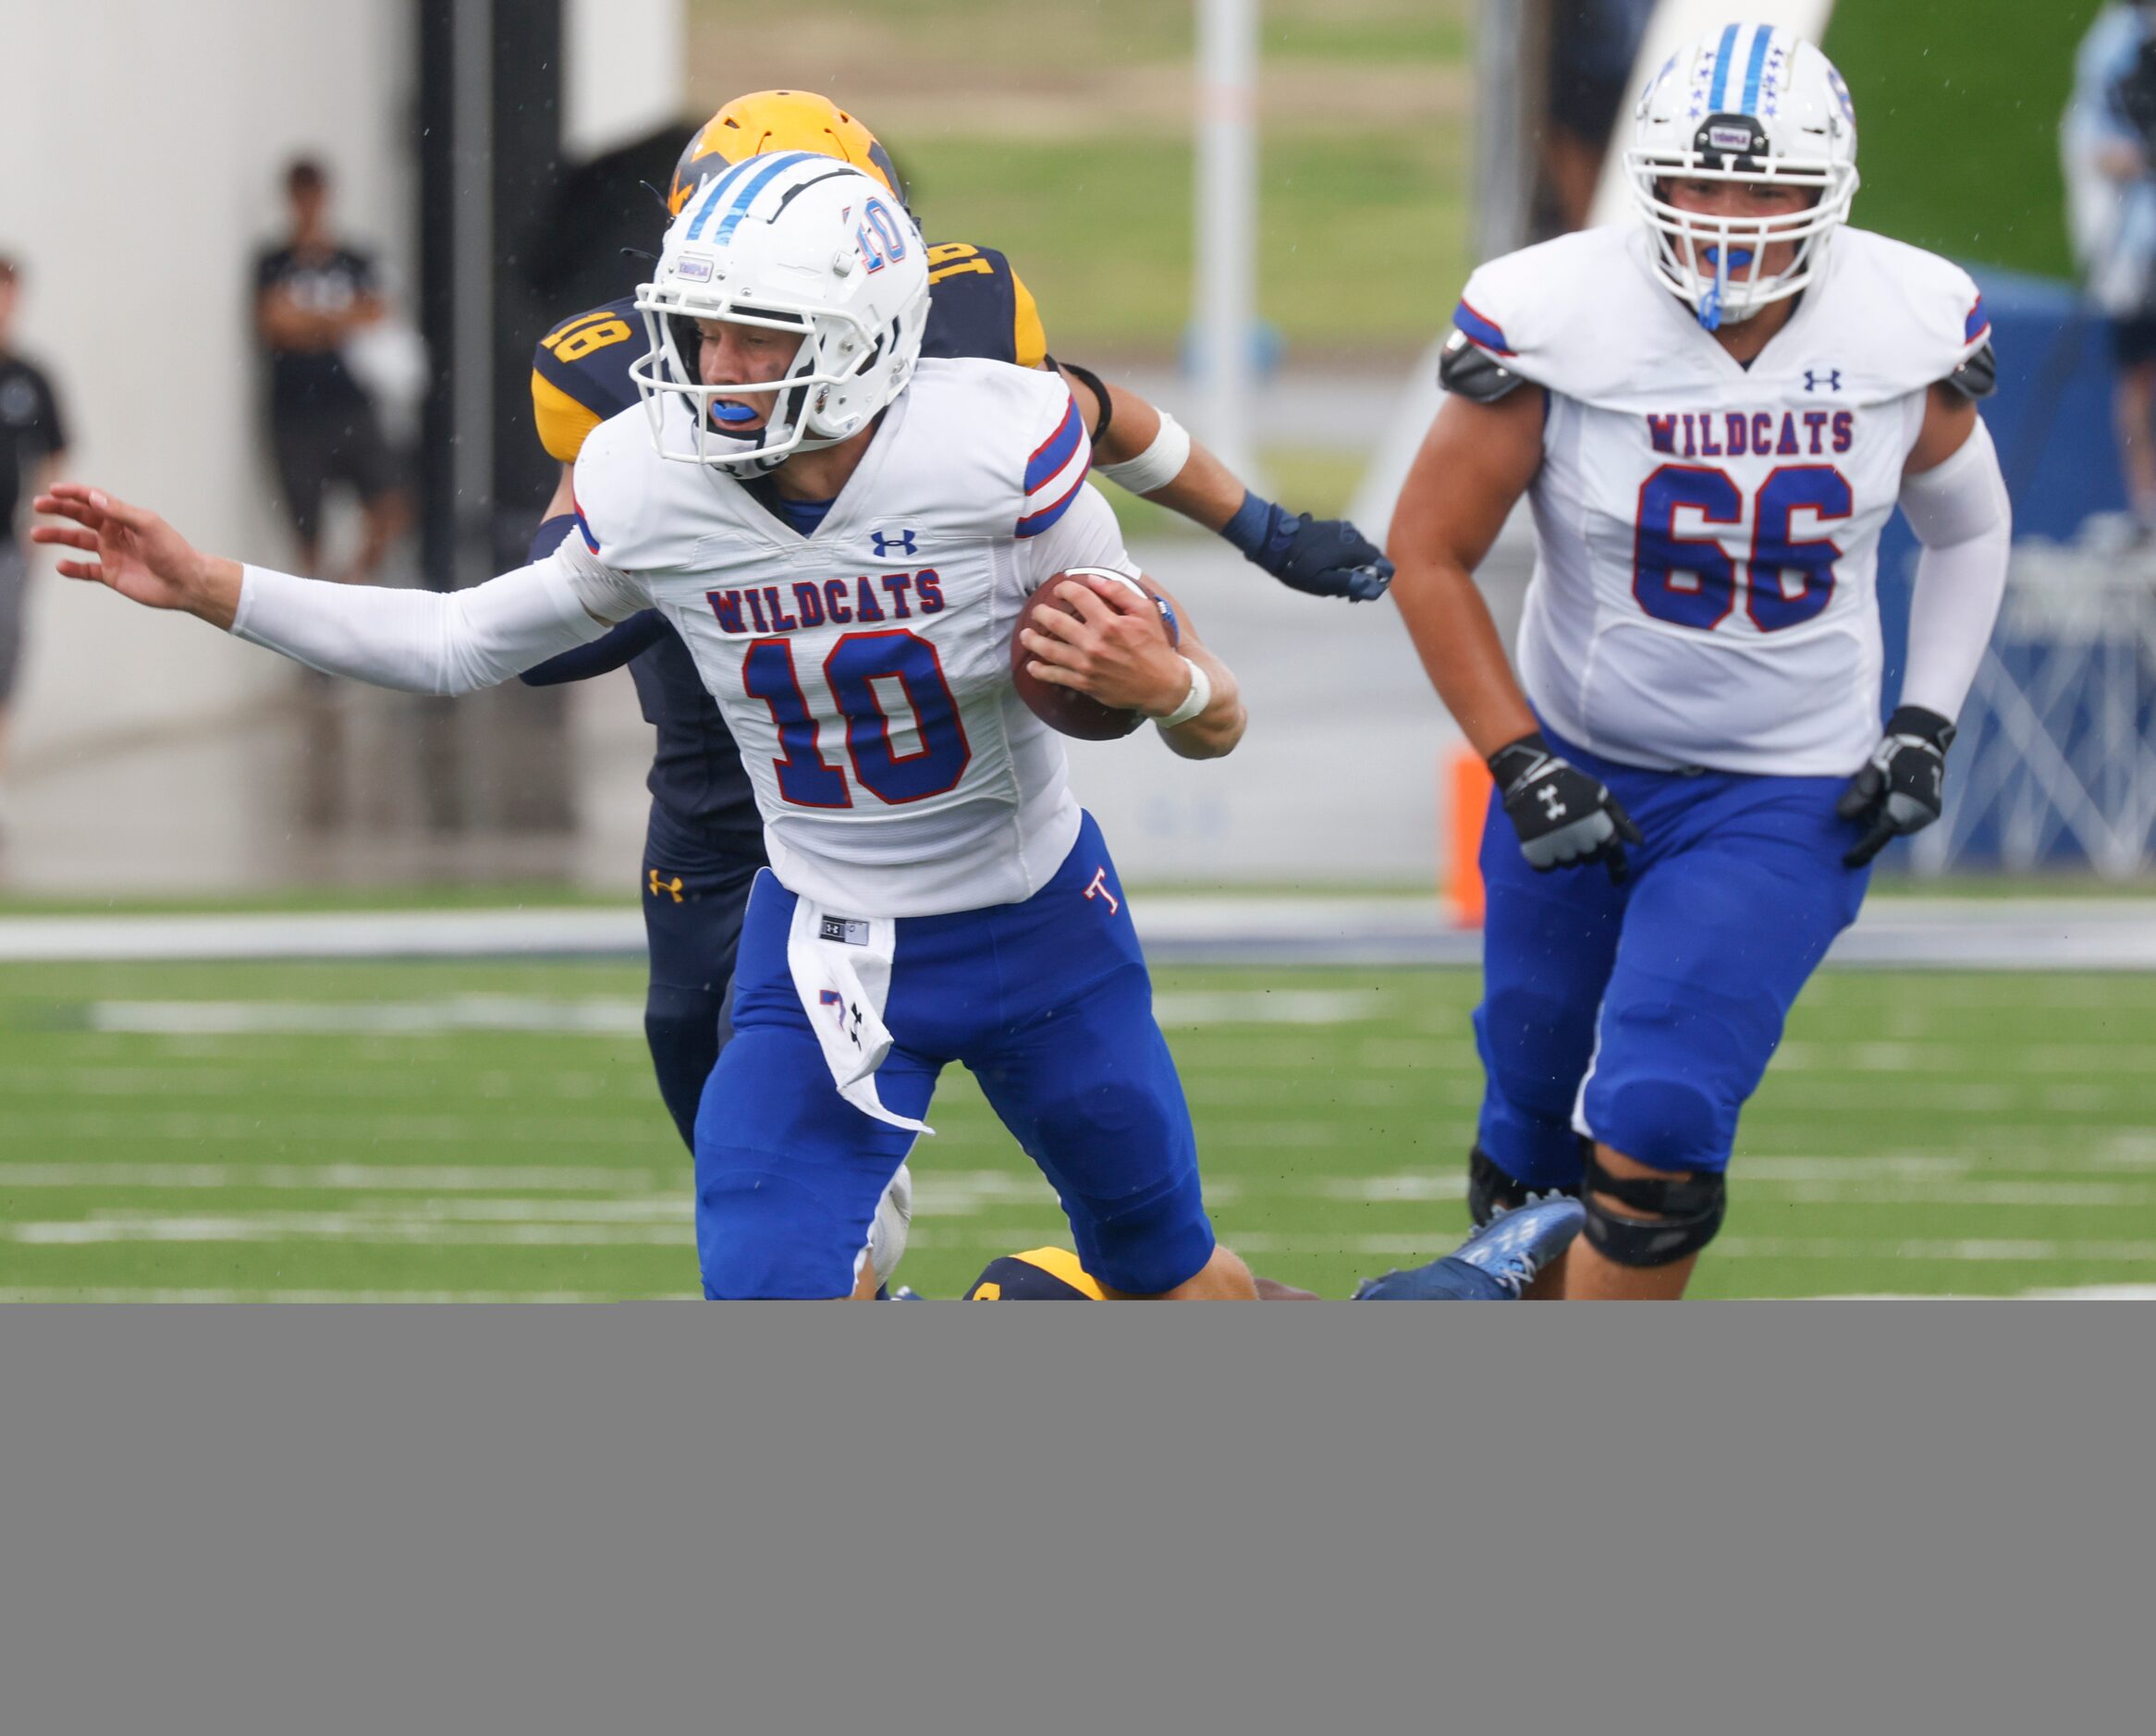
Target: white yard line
331, 1177
106, 1293
2097, 934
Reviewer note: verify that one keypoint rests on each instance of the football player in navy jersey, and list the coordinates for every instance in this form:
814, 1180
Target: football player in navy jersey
705, 841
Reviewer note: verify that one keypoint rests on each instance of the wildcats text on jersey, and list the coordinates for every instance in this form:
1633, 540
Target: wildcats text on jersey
1752, 434
767, 609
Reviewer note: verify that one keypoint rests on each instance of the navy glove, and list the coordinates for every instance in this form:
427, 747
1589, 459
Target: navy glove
1562, 816
1320, 557
1901, 787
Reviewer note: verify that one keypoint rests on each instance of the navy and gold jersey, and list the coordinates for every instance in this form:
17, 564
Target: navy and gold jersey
977, 307
579, 374
1037, 1275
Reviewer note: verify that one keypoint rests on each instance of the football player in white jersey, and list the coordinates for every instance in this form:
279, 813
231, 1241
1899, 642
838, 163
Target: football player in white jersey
844, 537
1713, 412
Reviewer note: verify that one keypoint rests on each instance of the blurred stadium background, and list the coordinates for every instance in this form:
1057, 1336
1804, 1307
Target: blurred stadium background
336, 995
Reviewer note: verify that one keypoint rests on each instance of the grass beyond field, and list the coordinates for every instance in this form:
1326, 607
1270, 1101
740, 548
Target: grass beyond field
1065, 140
489, 1130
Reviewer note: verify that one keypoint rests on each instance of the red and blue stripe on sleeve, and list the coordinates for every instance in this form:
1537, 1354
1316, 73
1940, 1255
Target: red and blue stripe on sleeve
1484, 334
1055, 472
584, 524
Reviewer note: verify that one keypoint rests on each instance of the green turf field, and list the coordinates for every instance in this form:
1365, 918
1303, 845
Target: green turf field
485, 1130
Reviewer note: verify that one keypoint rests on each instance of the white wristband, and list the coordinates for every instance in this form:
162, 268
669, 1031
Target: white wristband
1159, 465
1195, 700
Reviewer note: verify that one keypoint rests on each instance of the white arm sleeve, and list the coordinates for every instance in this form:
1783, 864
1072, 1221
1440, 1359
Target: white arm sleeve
1961, 515
432, 641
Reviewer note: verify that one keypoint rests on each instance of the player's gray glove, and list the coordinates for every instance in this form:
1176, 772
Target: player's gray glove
1562, 816
1900, 788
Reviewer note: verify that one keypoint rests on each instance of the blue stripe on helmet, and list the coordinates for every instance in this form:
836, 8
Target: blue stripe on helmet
715, 195
1717, 100
1762, 40
739, 208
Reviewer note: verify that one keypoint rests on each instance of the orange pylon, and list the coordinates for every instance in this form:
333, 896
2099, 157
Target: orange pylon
1466, 783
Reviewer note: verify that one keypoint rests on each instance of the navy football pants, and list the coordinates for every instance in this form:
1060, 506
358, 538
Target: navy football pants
692, 905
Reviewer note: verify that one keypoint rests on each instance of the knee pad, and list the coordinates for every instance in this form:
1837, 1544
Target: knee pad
1490, 1191
1688, 1215
1147, 1242
764, 1234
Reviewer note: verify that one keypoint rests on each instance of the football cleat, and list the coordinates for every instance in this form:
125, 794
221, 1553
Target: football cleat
1496, 1263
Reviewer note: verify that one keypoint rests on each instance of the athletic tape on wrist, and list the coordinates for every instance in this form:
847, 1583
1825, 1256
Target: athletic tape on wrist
1195, 700
1159, 465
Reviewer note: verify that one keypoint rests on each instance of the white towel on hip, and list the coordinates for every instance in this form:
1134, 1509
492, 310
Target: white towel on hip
841, 969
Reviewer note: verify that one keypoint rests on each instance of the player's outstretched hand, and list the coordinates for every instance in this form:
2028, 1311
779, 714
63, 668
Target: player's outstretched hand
1901, 788
1325, 558
1112, 648
137, 554
1564, 816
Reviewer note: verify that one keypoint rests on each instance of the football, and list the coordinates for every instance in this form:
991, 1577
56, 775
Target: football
1063, 708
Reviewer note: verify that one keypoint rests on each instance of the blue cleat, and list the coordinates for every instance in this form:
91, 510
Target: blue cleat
1496, 1263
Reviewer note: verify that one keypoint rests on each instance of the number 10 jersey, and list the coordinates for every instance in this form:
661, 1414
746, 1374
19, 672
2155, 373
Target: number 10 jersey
1708, 533
865, 668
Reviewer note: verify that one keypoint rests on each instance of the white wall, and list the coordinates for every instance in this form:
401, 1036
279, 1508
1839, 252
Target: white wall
143, 141
625, 71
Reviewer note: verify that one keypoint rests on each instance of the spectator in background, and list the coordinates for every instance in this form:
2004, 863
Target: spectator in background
2108, 147
32, 442
1592, 47
311, 297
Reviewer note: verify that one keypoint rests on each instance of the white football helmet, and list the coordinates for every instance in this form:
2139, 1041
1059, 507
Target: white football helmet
789, 241
1746, 102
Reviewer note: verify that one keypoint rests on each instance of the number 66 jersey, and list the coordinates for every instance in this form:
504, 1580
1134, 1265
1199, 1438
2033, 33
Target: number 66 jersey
1705, 592
863, 666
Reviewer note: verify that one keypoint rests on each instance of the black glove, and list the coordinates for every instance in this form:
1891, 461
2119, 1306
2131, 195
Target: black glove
1562, 816
1900, 790
1321, 557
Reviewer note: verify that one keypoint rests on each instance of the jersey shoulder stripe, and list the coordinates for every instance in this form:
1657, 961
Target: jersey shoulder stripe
1485, 334
1055, 472
579, 374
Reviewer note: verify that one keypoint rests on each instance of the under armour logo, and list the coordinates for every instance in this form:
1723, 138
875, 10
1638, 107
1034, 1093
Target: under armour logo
902, 542
848, 1014
1551, 806
1832, 376
1098, 889
673, 886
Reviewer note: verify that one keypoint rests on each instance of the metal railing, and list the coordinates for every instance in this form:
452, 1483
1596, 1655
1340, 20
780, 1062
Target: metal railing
2056, 763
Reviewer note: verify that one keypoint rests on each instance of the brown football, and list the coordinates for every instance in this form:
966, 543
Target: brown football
1064, 708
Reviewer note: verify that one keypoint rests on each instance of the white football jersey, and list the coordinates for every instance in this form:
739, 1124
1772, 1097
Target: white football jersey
1708, 535
865, 670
